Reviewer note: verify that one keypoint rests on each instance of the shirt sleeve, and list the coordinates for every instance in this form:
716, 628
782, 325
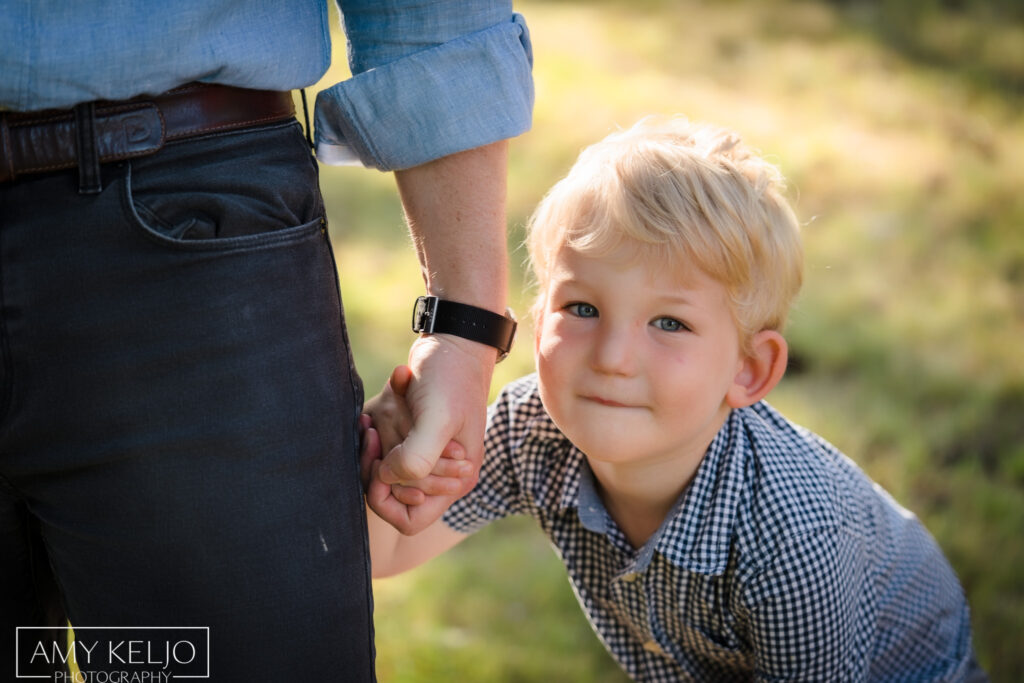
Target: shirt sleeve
498, 492
806, 620
430, 79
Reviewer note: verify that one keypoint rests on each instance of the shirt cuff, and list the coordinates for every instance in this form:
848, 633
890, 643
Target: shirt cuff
468, 92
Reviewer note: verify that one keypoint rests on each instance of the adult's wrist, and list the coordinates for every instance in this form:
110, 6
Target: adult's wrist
434, 315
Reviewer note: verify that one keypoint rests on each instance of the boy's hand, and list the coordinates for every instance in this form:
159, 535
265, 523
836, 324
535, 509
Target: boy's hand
409, 519
387, 424
447, 478
390, 411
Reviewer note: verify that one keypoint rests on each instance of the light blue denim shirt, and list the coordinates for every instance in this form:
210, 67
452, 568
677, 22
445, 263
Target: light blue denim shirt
431, 78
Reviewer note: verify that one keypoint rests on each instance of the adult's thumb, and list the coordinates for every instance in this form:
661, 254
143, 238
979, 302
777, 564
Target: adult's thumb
414, 458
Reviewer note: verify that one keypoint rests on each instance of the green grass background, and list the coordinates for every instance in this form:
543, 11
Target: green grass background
899, 127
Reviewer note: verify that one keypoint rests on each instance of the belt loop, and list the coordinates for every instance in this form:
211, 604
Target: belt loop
6, 153
305, 112
88, 155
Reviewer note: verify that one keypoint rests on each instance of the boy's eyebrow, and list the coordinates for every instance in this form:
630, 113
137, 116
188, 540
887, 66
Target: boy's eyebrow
673, 297
561, 280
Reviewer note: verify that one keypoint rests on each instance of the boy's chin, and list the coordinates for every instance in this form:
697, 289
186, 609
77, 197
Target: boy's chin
617, 447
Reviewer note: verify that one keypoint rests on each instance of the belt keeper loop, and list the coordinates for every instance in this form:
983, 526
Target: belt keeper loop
6, 153
305, 113
89, 181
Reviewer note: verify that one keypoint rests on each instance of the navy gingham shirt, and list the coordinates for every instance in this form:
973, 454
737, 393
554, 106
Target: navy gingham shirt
781, 561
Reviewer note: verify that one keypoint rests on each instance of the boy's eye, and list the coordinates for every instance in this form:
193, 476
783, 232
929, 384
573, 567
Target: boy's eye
582, 310
669, 325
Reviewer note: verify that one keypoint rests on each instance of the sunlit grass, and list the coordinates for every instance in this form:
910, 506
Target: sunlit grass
496, 608
902, 148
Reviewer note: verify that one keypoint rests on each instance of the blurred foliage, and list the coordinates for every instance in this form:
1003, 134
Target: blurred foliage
899, 125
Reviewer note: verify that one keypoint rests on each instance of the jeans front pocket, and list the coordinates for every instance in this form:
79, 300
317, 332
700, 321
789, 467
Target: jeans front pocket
227, 191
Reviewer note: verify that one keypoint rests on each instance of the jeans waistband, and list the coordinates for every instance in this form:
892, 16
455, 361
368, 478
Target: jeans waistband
99, 132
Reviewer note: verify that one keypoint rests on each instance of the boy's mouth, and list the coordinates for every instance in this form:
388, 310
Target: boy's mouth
606, 402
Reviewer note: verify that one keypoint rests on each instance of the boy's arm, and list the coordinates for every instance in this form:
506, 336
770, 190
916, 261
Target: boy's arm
804, 609
392, 552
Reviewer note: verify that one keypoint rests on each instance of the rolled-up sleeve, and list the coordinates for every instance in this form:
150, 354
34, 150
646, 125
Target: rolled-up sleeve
430, 79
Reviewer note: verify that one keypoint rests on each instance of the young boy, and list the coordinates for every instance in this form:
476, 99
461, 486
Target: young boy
706, 537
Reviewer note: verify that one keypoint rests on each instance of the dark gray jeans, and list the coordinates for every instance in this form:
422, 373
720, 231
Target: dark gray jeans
178, 410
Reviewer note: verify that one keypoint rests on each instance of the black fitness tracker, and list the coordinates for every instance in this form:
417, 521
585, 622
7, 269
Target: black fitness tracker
432, 315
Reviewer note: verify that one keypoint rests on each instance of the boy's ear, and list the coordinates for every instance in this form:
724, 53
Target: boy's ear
760, 371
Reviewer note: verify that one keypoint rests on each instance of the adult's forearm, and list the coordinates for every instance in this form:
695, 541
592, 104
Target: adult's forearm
455, 207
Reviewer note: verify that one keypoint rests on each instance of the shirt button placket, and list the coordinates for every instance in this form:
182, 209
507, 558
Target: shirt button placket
630, 594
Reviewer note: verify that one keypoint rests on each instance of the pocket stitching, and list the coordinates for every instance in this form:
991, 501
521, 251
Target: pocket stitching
284, 236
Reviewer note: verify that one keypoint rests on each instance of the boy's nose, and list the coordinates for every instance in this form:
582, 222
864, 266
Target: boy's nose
614, 351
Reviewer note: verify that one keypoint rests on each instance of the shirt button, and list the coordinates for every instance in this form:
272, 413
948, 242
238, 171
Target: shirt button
630, 577
652, 646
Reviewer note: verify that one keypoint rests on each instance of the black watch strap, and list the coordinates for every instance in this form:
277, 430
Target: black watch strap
440, 316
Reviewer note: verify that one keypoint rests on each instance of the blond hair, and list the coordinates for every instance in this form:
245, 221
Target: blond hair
680, 192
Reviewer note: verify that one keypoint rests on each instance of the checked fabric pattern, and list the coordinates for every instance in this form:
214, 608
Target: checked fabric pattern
781, 561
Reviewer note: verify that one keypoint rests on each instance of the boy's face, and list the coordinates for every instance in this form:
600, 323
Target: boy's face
635, 362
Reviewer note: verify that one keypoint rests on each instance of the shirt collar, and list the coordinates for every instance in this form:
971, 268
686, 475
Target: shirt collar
697, 533
560, 454
593, 515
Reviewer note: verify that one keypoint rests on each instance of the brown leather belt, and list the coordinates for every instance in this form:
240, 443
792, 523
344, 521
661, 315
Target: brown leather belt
37, 142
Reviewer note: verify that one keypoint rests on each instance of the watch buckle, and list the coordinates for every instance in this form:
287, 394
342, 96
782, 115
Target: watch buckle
424, 314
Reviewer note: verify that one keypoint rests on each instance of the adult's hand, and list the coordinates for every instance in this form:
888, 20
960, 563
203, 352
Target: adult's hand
446, 397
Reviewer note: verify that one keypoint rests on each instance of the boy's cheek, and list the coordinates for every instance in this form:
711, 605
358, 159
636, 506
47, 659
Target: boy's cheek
552, 336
